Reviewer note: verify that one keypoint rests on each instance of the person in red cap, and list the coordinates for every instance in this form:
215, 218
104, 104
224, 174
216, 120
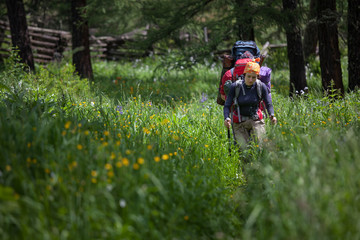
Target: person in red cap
250, 124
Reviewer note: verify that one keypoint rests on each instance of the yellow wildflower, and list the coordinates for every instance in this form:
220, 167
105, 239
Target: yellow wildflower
67, 125
108, 166
110, 174
8, 168
141, 160
165, 121
125, 161
136, 166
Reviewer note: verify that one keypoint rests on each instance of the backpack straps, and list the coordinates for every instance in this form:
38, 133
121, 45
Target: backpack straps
259, 88
238, 85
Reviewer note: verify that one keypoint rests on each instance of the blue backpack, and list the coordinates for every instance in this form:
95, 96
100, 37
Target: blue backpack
240, 47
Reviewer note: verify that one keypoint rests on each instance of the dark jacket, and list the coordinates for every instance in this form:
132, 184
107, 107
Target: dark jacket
248, 100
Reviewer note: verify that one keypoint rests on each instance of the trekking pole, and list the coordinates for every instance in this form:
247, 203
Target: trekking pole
229, 138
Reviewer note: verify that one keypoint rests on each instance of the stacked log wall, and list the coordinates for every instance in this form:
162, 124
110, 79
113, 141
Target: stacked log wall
51, 45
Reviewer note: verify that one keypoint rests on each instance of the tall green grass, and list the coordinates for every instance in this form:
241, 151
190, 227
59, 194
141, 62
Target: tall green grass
304, 185
142, 153
83, 164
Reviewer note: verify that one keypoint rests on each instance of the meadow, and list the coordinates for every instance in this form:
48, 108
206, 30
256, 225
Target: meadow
141, 153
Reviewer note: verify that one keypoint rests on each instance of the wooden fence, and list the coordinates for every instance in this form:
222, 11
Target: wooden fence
49, 45
46, 44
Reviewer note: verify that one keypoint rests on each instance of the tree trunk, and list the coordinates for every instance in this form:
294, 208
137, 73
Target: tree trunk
310, 33
298, 83
354, 44
329, 45
244, 24
80, 39
19, 31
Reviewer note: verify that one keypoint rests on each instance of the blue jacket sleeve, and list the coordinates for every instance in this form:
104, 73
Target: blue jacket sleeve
267, 99
229, 101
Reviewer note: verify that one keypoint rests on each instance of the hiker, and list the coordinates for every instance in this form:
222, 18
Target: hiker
250, 122
244, 50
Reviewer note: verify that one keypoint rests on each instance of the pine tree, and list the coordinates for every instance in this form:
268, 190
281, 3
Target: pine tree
330, 62
294, 48
354, 44
19, 31
80, 39
310, 34
244, 22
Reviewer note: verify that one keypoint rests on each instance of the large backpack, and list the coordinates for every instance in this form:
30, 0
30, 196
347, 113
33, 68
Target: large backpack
240, 47
237, 72
237, 52
265, 77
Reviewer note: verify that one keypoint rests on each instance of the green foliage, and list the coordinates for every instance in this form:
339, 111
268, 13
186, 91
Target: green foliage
143, 154
99, 167
313, 71
51, 14
42, 92
304, 180
114, 17
277, 59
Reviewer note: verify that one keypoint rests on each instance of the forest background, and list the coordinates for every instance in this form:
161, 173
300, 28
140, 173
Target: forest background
135, 149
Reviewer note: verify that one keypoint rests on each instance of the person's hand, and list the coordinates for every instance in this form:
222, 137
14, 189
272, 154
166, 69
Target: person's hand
273, 119
227, 122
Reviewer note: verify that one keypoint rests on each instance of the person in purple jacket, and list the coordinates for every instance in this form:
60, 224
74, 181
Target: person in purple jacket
251, 125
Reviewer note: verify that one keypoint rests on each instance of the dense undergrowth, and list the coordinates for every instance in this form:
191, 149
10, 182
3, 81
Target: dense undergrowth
142, 153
